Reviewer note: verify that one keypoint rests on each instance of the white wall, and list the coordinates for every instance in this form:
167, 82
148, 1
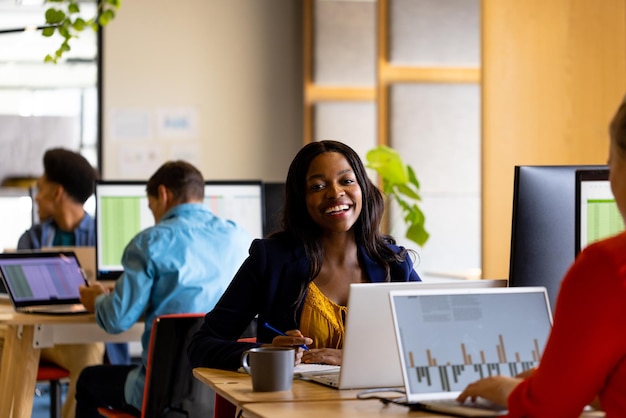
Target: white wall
233, 64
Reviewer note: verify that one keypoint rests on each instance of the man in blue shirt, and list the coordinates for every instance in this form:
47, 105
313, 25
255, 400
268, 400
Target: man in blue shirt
182, 264
62, 190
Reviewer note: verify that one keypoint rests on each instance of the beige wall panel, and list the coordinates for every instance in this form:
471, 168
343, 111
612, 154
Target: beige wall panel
553, 74
237, 62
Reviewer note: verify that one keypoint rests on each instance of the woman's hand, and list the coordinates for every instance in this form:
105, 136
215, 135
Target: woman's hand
495, 389
294, 339
525, 374
323, 356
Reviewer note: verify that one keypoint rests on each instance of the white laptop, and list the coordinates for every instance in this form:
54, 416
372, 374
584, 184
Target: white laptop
369, 335
43, 282
450, 338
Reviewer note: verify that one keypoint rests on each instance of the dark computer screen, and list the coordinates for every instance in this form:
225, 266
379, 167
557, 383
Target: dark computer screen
543, 227
122, 211
597, 214
274, 197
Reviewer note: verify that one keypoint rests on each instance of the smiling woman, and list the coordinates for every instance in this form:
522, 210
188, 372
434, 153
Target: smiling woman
333, 196
298, 279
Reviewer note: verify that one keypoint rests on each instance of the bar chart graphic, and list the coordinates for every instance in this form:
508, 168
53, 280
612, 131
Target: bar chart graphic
445, 376
449, 341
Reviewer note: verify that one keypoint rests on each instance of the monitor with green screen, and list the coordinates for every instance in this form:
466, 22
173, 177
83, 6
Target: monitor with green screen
122, 211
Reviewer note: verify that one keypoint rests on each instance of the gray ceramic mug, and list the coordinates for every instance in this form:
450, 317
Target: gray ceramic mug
271, 368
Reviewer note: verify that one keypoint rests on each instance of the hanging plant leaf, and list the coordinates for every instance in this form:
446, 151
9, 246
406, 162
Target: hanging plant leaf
64, 18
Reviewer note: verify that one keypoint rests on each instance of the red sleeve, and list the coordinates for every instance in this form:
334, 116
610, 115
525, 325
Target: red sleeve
588, 339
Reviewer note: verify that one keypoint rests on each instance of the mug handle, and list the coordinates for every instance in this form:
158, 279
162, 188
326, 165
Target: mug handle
244, 362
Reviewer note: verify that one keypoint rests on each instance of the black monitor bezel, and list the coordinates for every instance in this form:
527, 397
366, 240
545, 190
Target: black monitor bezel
542, 249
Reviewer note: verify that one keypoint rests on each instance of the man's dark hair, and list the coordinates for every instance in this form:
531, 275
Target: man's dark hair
182, 179
72, 171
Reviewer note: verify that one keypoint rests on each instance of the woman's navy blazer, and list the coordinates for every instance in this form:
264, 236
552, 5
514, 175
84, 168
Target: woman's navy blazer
268, 285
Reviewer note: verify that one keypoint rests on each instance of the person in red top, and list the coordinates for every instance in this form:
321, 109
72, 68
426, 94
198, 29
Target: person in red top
584, 361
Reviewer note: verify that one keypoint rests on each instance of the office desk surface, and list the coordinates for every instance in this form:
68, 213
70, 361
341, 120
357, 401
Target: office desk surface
331, 409
237, 389
306, 399
344, 409
25, 335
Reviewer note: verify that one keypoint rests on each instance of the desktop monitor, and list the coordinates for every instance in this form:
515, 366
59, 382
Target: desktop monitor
274, 198
16, 215
543, 225
597, 214
122, 211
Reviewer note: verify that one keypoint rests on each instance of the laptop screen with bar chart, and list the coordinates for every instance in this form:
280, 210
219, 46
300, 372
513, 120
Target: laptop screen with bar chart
450, 338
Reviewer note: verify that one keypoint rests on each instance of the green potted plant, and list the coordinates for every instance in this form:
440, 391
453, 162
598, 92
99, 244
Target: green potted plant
400, 183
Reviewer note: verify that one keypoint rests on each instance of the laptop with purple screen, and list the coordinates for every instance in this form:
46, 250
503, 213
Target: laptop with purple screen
43, 282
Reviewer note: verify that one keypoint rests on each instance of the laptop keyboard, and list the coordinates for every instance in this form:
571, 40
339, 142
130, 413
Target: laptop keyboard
314, 368
328, 379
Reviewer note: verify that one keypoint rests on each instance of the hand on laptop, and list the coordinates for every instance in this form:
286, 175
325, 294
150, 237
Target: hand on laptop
526, 373
88, 295
495, 389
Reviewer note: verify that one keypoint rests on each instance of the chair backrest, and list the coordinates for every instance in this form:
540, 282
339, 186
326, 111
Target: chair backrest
171, 389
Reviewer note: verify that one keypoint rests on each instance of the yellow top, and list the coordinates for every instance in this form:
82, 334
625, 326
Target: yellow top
322, 319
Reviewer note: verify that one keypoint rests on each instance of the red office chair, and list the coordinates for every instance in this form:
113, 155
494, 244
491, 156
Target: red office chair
53, 373
170, 385
222, 407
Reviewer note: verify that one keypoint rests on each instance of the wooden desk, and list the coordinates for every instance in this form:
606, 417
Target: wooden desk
330, 409
237, 389
306, 400
25, 335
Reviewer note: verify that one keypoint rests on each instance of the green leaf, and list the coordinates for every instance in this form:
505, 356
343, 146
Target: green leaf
415, 215
404, 205
413, 177
49, 58
79, 24
49, 31
73, 8
407, 191
64, 32
417, 234
400, 182
387, 163
54, 16
106, 17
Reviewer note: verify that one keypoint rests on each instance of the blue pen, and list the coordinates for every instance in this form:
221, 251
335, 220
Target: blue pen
271, 328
